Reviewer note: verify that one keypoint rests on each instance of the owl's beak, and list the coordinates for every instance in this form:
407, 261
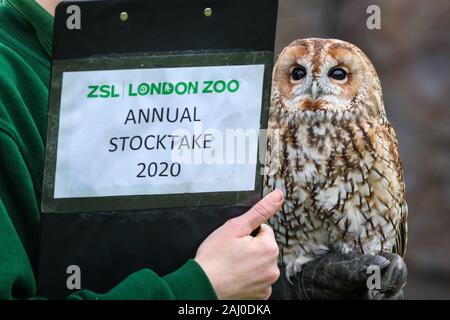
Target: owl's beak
315, 90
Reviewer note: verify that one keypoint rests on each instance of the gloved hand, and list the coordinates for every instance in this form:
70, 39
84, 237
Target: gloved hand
338, 275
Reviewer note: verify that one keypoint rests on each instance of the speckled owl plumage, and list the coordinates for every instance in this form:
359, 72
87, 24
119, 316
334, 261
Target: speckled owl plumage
333, 153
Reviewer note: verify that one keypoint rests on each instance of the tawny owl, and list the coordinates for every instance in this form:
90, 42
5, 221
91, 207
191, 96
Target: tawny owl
334, 154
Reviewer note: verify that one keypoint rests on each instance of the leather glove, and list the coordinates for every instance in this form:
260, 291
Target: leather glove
338, 275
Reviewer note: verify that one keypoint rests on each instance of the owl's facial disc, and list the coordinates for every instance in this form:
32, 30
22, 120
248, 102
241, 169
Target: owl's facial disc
313, 76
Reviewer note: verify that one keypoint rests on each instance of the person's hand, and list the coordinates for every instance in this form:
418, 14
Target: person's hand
344, 276
238, 265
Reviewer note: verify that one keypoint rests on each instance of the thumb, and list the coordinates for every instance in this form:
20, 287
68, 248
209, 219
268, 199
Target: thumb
259, 213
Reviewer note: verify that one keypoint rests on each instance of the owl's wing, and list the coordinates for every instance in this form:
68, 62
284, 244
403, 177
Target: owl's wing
268, 179
402, 227
402, 232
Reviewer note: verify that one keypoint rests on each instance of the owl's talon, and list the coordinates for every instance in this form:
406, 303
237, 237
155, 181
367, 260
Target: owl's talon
290, 272
340, 247
295, 267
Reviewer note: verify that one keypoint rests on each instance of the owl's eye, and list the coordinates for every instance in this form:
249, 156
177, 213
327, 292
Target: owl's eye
337, 74
298, 73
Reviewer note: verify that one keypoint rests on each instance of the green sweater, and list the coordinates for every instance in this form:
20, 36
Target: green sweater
25, 46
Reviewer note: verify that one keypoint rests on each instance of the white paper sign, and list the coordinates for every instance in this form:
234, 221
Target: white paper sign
158, 131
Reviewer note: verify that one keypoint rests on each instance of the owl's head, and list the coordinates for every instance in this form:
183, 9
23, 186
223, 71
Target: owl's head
324, 74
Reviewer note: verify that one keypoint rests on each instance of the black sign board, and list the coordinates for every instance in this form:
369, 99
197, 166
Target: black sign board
114, 199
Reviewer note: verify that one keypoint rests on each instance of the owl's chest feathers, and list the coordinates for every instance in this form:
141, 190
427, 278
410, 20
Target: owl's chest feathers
336, 179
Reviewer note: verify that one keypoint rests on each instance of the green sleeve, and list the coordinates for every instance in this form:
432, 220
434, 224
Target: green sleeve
19, 228
187, 283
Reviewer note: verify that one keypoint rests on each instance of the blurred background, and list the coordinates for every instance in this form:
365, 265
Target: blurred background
411, 53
